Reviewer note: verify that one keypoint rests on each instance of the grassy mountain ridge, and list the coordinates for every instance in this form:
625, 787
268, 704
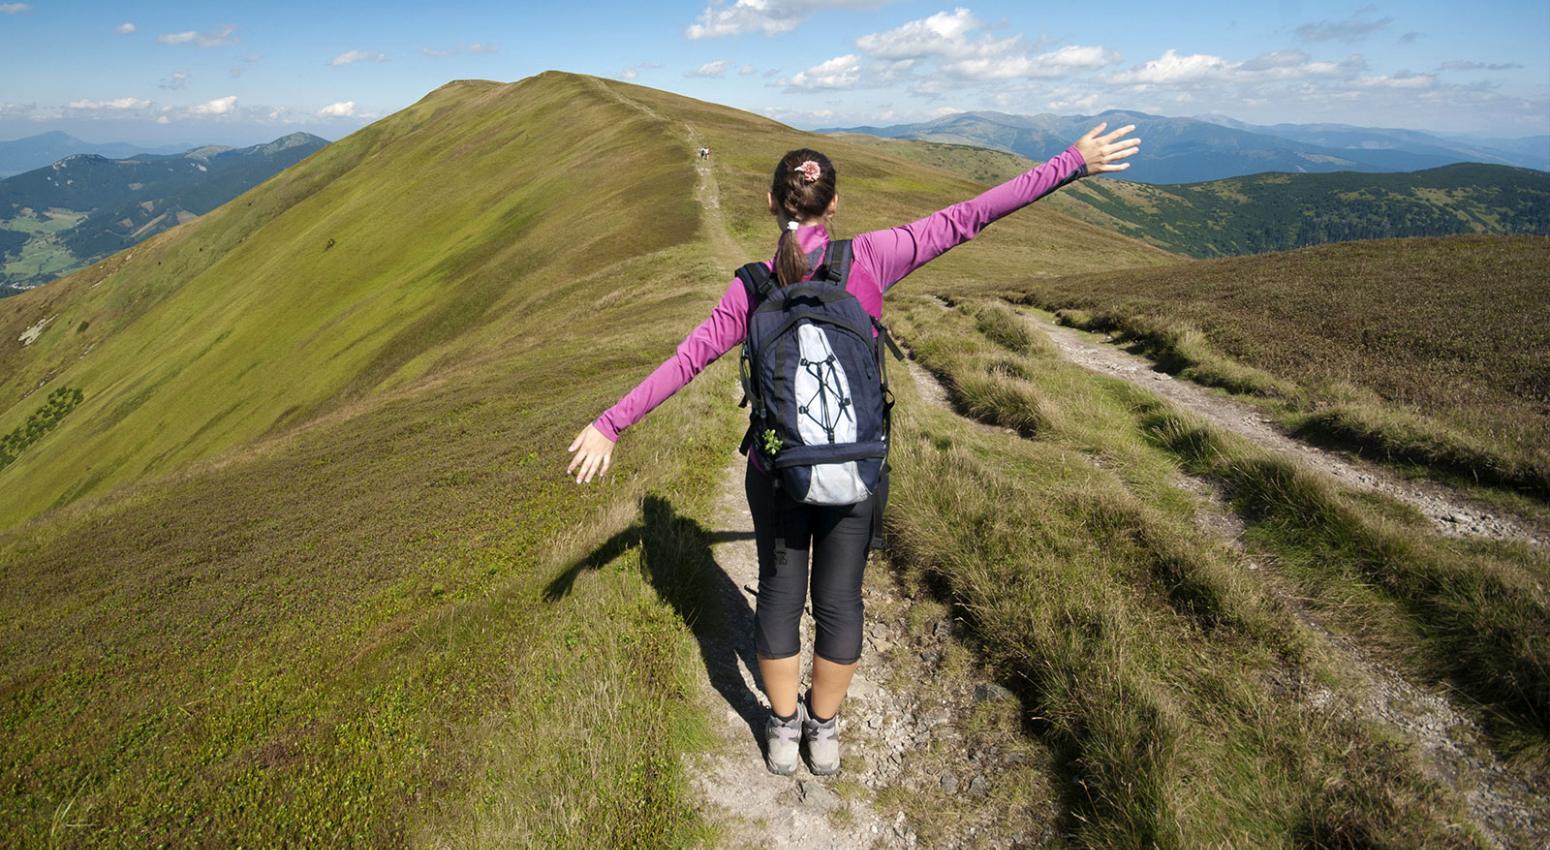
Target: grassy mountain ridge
347, 317
302, 638
308, 511
311, 325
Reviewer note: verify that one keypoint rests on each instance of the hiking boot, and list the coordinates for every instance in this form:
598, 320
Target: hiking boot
782, 740
823, 742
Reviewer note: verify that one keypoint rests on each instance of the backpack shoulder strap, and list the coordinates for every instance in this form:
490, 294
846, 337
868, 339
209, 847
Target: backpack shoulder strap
836, 260
758, 281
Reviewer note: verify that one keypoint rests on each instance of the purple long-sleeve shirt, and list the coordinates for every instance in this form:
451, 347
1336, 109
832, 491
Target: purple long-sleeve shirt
881, 258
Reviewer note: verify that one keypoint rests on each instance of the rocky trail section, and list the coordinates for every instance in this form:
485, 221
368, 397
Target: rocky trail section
917, 771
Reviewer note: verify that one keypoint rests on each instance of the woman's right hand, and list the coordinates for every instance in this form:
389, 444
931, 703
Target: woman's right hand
593, 451
1102, 153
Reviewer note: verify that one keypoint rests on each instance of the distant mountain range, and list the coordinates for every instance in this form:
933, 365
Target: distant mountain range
1272, 211
56, 219
1187, 150
18, 155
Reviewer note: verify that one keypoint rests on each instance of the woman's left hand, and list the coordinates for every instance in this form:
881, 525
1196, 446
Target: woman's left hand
1102, 153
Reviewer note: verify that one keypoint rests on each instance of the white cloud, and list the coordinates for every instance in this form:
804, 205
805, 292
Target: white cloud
176, 80
1400, 80
746, 71
219, 106
1057, 63
954, 38
770, 17
715, 70
841, 72
115, 103
1172, 69
352, 56
942, 34
342, 109
215, 38
13, 8
162, 119
125, 28
1078, 56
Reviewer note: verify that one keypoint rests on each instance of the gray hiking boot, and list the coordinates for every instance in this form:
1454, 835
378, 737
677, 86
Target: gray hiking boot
823, 742
782, 740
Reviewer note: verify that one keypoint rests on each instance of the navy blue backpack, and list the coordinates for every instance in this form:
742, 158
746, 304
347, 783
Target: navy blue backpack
817, 381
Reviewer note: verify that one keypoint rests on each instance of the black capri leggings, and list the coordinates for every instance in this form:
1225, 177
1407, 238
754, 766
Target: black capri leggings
839, 537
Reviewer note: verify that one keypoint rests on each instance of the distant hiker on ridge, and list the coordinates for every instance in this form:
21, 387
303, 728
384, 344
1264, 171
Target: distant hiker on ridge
814, 371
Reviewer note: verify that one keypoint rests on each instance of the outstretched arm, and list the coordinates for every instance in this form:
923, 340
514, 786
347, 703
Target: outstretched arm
724, 328
893, 253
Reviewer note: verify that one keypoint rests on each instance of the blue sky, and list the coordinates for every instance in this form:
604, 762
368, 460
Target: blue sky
240, 73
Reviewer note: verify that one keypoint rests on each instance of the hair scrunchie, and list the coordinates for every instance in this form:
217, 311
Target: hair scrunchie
810, 170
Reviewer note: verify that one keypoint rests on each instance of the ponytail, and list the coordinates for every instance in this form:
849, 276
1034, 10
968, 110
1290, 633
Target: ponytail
790, 260
802, 188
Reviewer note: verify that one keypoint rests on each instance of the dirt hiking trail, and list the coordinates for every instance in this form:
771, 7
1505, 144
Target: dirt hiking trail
892, 738
1449, 512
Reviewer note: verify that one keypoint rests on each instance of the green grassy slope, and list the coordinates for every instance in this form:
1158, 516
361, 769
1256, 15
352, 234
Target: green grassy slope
300, 566
438, 219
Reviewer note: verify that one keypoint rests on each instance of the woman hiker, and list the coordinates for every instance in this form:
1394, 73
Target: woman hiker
802, 199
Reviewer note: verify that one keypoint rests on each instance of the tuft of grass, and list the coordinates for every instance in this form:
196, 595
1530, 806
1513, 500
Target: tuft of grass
1003, 326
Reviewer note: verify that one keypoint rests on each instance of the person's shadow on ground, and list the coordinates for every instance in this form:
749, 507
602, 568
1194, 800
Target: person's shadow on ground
676, 557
